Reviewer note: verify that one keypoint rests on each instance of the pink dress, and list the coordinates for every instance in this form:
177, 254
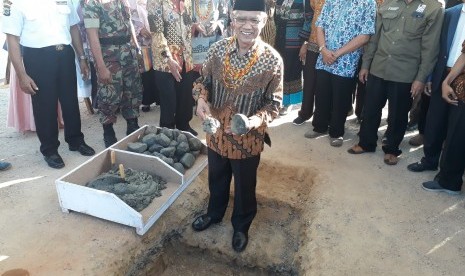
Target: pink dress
20, 114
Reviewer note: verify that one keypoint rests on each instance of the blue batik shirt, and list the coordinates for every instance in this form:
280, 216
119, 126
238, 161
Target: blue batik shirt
342, 21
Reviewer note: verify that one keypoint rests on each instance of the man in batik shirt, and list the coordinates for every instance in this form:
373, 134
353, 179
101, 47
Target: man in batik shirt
242, 74
171, 26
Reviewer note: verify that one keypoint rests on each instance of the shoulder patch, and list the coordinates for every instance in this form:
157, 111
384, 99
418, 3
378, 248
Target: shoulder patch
6, 7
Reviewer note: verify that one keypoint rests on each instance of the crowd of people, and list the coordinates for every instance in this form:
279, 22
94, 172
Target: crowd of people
254, 58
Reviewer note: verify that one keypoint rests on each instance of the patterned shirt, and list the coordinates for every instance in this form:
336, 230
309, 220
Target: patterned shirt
342, 21
171, 24
208, 11
317, 6
259, 94
112, 18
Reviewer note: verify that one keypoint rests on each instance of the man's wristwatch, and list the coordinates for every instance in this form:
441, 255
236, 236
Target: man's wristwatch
321, 48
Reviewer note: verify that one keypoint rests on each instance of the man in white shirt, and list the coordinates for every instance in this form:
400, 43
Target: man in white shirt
39, 35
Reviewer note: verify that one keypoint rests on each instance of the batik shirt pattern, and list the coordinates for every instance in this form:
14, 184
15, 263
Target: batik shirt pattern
342, 21
171, 24
260, 94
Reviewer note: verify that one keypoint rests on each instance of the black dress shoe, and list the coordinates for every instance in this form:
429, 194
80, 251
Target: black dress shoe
420, 166
54, 161
239, 241
203, 222
83, 149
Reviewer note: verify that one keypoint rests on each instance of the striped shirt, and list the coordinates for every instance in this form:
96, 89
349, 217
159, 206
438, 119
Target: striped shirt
259, 94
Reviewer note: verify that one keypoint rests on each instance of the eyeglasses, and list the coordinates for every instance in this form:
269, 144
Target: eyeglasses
244, 20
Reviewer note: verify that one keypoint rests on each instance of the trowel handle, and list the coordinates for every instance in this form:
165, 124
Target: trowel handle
112, 157
121, 172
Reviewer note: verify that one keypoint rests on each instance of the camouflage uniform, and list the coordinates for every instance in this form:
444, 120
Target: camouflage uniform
113, 20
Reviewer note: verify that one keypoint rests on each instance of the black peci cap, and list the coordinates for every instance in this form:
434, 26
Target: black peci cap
250, 5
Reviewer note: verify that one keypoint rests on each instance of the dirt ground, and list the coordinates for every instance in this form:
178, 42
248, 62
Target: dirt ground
321, 212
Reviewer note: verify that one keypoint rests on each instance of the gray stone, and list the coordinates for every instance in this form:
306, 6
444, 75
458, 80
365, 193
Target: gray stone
239, 124
195, 144
163, 140
182, 149
187, 160
149, 139
179, 167
152, 129
168, 152
210, 125
196, 153
173, 143
157, 154
182, 138
168, 132
147, 152
176, 133
137, 147
168, 161
155, 148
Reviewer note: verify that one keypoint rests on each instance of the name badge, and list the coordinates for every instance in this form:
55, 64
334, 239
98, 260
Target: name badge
62, 3
6, 7
421, 8
393, 8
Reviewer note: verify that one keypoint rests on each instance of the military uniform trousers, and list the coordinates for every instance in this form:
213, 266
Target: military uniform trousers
220, 172
125, 90
54, 71
453, 157
378, 92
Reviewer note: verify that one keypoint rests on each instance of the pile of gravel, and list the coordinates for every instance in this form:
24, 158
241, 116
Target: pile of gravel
170, 145
137, 190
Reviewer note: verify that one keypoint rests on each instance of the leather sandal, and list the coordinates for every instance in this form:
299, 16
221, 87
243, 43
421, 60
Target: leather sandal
356, 149
390, 159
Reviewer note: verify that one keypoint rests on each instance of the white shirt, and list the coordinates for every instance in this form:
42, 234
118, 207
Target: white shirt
459, 37
41, 23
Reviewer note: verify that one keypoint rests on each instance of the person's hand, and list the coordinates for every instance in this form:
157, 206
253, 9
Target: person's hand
363, 75
303, 53
84, 69
203, 109
174, 69
427, 90
145, 33
417, 88
328, 56
337, 54
104, 75
212, 28
448, 94
28, 85
200, 28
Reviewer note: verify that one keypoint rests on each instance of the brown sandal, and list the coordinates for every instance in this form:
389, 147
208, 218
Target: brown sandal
356, 149
390, 159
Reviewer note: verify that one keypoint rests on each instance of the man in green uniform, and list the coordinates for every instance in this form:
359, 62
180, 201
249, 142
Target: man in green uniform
110, 32
396, 64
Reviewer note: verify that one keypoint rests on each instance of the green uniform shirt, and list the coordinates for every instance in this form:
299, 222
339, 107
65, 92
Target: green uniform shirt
406, 43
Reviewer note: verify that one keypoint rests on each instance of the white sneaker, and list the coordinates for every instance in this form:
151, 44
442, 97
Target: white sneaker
336, 142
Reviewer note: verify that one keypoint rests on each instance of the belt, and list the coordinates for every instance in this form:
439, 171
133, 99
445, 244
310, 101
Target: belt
117, 40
